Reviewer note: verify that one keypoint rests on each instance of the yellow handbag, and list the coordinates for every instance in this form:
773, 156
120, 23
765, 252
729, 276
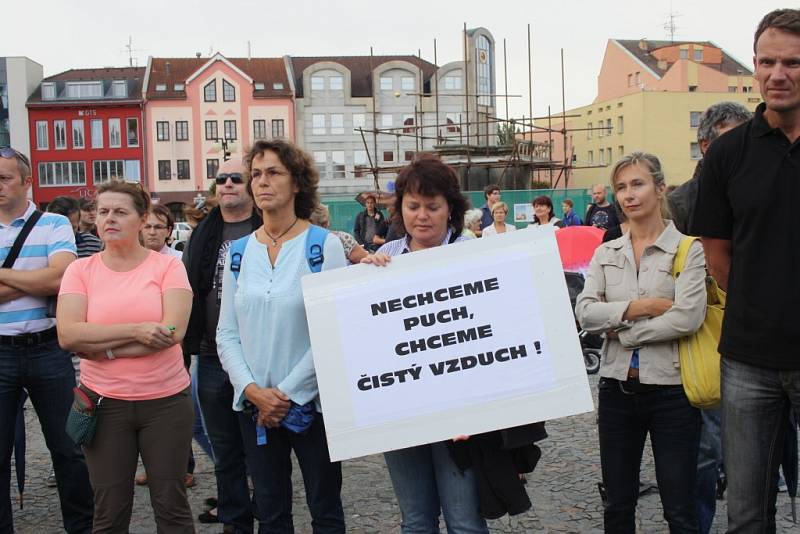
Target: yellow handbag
699, 358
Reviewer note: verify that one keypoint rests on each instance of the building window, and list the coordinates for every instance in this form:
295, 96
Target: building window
620, 124
452, 82
388, 155
229, 130
114, 133
48, 91
97, 133
84, 90
386, 83
609, 156
630, 80
692, 88
455, 120
317, 83
694, 119
183, 169
590, 157
181, 130
259, 86
259, 129
731, 88
212, 132
601, 154
161, 87
359, 120
409, 155
684, 53
210, 91
360, 157
694, 151
162, 131
698, 54
407, 83
338, 166
589, 130
747, 89
337, 123
228, 92
636, 79
318, 124
164, 169
335, 83
108, 170
78, 138
62, 173
119, 89
321, 161
178, 87
620, 151
60, 134
132, 170
212, 168
278, 130
41, 135
408, 123
132, 131
277, 86
386, 120
608, 126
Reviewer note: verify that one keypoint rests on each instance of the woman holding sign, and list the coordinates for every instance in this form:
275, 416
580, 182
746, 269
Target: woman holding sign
632, 297
425, 478
264, 345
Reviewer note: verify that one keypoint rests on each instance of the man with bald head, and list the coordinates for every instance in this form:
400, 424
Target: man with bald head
601, 214
204, 257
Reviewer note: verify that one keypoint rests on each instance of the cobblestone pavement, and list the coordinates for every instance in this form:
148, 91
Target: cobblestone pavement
563, 489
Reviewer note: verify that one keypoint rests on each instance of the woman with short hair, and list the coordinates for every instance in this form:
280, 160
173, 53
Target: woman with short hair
499, 214
125, 311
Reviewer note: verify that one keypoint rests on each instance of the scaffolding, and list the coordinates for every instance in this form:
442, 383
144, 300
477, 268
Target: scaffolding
521, 157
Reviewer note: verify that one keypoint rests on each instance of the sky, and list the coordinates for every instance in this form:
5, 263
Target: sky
93, 33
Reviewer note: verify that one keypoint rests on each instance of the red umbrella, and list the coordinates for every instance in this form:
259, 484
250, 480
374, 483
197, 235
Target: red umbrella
576, 245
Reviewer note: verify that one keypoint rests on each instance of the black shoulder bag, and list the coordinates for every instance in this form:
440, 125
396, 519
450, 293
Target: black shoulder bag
13, 254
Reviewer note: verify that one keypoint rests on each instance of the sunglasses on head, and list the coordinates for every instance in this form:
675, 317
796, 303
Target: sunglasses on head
236, 178
7, 152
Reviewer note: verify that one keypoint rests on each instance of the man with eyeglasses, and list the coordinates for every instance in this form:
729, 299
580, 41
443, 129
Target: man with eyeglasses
204, 257
30, 357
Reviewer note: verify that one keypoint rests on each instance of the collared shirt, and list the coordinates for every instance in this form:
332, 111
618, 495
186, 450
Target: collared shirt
51, 234
612, 282
262, 334
747, 193
403, 245
166, 249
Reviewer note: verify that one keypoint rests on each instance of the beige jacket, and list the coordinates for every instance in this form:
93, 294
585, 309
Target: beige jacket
612, 283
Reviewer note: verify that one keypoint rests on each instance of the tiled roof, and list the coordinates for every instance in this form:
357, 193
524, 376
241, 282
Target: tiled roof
134, 76
169, 71
360, 72
729, 65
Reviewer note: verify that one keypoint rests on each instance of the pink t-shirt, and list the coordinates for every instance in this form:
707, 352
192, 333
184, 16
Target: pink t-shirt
129, 297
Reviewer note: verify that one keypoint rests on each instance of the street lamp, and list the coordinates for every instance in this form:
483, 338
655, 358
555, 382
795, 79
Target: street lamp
225, 145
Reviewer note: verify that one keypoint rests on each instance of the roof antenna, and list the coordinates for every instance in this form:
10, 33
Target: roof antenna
132, 60
670, 27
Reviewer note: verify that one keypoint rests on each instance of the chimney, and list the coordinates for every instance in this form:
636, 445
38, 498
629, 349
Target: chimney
166, 67
198, 54
662, 64
643, 44
248, 51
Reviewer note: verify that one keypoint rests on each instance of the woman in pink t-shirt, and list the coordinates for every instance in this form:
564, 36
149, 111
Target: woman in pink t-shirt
125, 311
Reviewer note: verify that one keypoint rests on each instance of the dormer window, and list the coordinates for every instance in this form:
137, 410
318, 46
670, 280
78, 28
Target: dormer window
684, 53
84, 90
161, 87
698, 54
260, 86
335, 83
179, 87
48, 91
277, 86
119, 89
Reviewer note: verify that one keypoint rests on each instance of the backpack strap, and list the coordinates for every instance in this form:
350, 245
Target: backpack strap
680, 256
315, 245
237, 253
23, 234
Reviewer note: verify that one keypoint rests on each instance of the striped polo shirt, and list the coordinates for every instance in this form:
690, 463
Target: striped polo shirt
52, 234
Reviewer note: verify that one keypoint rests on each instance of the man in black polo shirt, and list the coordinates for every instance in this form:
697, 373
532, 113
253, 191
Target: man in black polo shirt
745, 212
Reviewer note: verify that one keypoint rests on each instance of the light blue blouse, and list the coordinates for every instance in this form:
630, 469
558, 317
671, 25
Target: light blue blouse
262, 334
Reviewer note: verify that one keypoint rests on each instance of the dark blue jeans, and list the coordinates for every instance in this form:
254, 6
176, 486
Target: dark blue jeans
709, 462
45, 372
625, 419
215, 393
755, 406
270, 467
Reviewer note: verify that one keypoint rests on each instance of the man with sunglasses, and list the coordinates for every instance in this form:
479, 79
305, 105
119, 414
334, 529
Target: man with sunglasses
30, 357
204, 257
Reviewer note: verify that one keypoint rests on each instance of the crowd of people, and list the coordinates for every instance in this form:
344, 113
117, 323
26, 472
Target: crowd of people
132, 317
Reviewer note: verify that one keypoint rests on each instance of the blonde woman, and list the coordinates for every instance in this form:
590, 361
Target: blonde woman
499, 214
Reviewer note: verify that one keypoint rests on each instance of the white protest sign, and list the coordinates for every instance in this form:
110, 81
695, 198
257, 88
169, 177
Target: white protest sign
460, 339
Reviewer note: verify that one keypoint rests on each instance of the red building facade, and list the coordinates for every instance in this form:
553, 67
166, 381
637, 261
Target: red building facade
86, 128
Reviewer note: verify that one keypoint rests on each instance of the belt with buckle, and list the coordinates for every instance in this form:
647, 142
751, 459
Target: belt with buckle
29, 340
